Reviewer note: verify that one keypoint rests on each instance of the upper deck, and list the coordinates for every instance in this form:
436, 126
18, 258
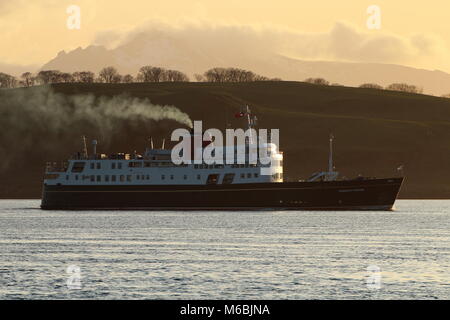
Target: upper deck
155, 167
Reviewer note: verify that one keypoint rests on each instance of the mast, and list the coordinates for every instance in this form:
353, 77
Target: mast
251, 122
330, 159
85, 151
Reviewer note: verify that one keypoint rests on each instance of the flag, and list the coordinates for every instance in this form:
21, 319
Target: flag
239, 114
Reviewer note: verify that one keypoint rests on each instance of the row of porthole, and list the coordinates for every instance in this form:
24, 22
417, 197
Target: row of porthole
98, 165
128, 178
121, 178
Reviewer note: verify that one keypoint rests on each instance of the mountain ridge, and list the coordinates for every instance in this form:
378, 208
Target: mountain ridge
174, 54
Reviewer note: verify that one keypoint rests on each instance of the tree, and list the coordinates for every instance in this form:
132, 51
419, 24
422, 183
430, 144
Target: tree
318, 81
84, 76
446, 96
7, 81
215, 75
128, 78
28, 79
232, 75
66, 77
108, 75
404, 87
151, 74
49, 76
257, 77
175, 76
371, 86
117, 78
199, 77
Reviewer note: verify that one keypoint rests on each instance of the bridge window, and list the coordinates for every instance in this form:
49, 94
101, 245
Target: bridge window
228, 178
171, 177
163, 177
107, 178
129, 178
99, 178
113, 165
119, 165
122, 178
148, 177
113, 178
92, 178
78, 167
198, 177
242, 175
92, 165
135, 164
249, 175
255, 175
212, 179
99, 165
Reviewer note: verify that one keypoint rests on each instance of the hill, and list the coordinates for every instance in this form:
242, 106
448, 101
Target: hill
174, 53
375, 130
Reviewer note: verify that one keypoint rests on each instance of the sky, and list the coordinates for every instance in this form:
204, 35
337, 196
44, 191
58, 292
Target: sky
411, 32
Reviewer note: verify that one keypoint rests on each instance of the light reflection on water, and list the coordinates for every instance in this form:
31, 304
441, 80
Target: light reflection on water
225, 255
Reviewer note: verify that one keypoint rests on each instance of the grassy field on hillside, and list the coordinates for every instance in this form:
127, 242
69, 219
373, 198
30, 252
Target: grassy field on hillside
375, 130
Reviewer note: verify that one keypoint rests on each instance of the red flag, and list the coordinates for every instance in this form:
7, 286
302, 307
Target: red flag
239, 114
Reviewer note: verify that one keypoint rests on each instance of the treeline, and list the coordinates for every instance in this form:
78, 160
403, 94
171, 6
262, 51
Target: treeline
106, 75
145, 74
403, 87
158, 74
231, 75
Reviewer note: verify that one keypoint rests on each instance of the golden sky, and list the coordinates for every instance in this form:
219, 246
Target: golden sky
33, 32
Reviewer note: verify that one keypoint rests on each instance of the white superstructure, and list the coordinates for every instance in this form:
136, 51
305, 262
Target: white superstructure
155, 167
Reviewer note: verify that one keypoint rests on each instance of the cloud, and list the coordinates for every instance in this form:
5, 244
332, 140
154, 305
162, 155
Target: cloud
347, 43
343, 42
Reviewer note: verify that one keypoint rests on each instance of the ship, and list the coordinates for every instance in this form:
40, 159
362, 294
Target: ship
152, 181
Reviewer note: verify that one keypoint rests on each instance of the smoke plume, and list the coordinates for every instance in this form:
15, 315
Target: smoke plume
29, 115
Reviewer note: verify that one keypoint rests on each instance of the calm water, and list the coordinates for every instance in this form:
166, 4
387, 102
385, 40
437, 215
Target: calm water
225, 255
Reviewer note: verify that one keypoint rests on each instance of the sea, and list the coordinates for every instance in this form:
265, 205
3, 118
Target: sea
400, 254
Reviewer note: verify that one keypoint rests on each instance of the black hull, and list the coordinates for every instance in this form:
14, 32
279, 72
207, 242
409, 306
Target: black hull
373, 194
